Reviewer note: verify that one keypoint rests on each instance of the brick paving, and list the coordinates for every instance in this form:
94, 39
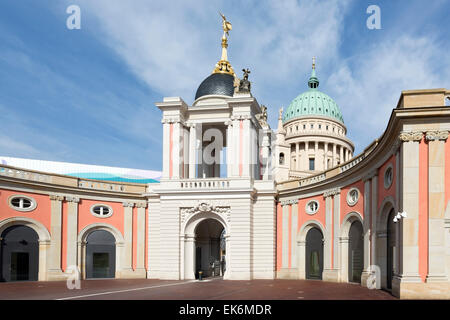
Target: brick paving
215, 289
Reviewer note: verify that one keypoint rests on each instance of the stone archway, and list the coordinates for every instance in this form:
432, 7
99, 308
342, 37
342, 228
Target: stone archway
82, 252
386, 208
301, 245
195, 219
345, 244
208, 255
43, 240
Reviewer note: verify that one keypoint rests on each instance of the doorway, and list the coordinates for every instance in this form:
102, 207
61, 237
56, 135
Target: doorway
314, 254
19, 254
391, 240
209, 256
100, 255
355, 252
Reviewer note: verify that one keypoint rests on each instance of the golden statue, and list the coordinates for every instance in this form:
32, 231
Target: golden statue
226, 25
223, 66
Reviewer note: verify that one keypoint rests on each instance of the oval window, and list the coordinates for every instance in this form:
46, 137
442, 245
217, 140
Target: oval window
101, 210
22, 203
388, 177
352, 196
312, 207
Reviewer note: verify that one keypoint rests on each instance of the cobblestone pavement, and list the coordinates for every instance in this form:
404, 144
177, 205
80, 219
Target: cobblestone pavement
214, 289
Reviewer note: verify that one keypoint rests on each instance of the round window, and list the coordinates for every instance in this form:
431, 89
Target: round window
101, 210
22, 203
312, 207
388, 177
352, 196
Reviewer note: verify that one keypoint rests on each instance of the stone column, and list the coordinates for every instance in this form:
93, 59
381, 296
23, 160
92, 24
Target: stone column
436, 206
192, 151
246, 137
374, 213
325, 156
189, 256
409, 226
307, 155
166, 149
140, 243
341, 154
334, 155
72, 230
330, 272
367, 230
230, 148
176, 150
343, 245
54, 264
127, 267
316, 158
301, 252
297, 156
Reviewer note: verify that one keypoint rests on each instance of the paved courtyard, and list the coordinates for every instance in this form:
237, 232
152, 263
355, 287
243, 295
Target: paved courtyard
215, 289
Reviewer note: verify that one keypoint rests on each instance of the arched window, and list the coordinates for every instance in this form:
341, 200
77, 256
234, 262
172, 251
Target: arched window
281, 158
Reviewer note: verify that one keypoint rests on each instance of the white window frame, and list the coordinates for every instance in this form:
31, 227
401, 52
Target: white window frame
101, 205
349, 201
388, 184
307, 207
31, 208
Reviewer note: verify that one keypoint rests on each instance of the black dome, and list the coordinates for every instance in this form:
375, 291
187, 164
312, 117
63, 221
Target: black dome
216, 83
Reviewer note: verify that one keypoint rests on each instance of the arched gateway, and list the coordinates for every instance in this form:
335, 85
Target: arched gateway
204, 242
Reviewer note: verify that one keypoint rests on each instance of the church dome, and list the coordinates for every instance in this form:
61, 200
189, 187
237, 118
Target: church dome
217, 84
313, 103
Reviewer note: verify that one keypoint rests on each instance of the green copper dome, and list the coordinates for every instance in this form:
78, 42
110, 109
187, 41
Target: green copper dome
313, 103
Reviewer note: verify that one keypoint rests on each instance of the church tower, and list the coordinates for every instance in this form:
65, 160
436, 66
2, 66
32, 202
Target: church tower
216, 198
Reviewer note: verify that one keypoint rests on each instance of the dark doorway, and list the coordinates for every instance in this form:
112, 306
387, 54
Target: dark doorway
355, 252
19, 254
100, 255
314, 254
391, 238
208, 255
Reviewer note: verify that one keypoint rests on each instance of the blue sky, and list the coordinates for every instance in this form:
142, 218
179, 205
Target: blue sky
88, 95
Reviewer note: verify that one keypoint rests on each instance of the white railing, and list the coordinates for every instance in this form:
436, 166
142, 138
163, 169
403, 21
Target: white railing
311, 180
87, 184
352, 163
24, 174
205, 184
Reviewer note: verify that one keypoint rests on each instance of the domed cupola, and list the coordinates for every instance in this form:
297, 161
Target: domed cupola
221, 81
217, 84
313, 103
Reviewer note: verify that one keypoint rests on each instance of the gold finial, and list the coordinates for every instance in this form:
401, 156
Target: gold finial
314, 63
223, 66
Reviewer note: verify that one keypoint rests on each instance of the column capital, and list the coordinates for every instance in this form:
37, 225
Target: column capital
331, 192
141, 205
128, 204
407, 136
286, 202
372, 174
436, 135
56, 197
72, 199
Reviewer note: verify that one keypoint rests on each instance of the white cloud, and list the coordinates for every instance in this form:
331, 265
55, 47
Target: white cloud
173, 46
368, 86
